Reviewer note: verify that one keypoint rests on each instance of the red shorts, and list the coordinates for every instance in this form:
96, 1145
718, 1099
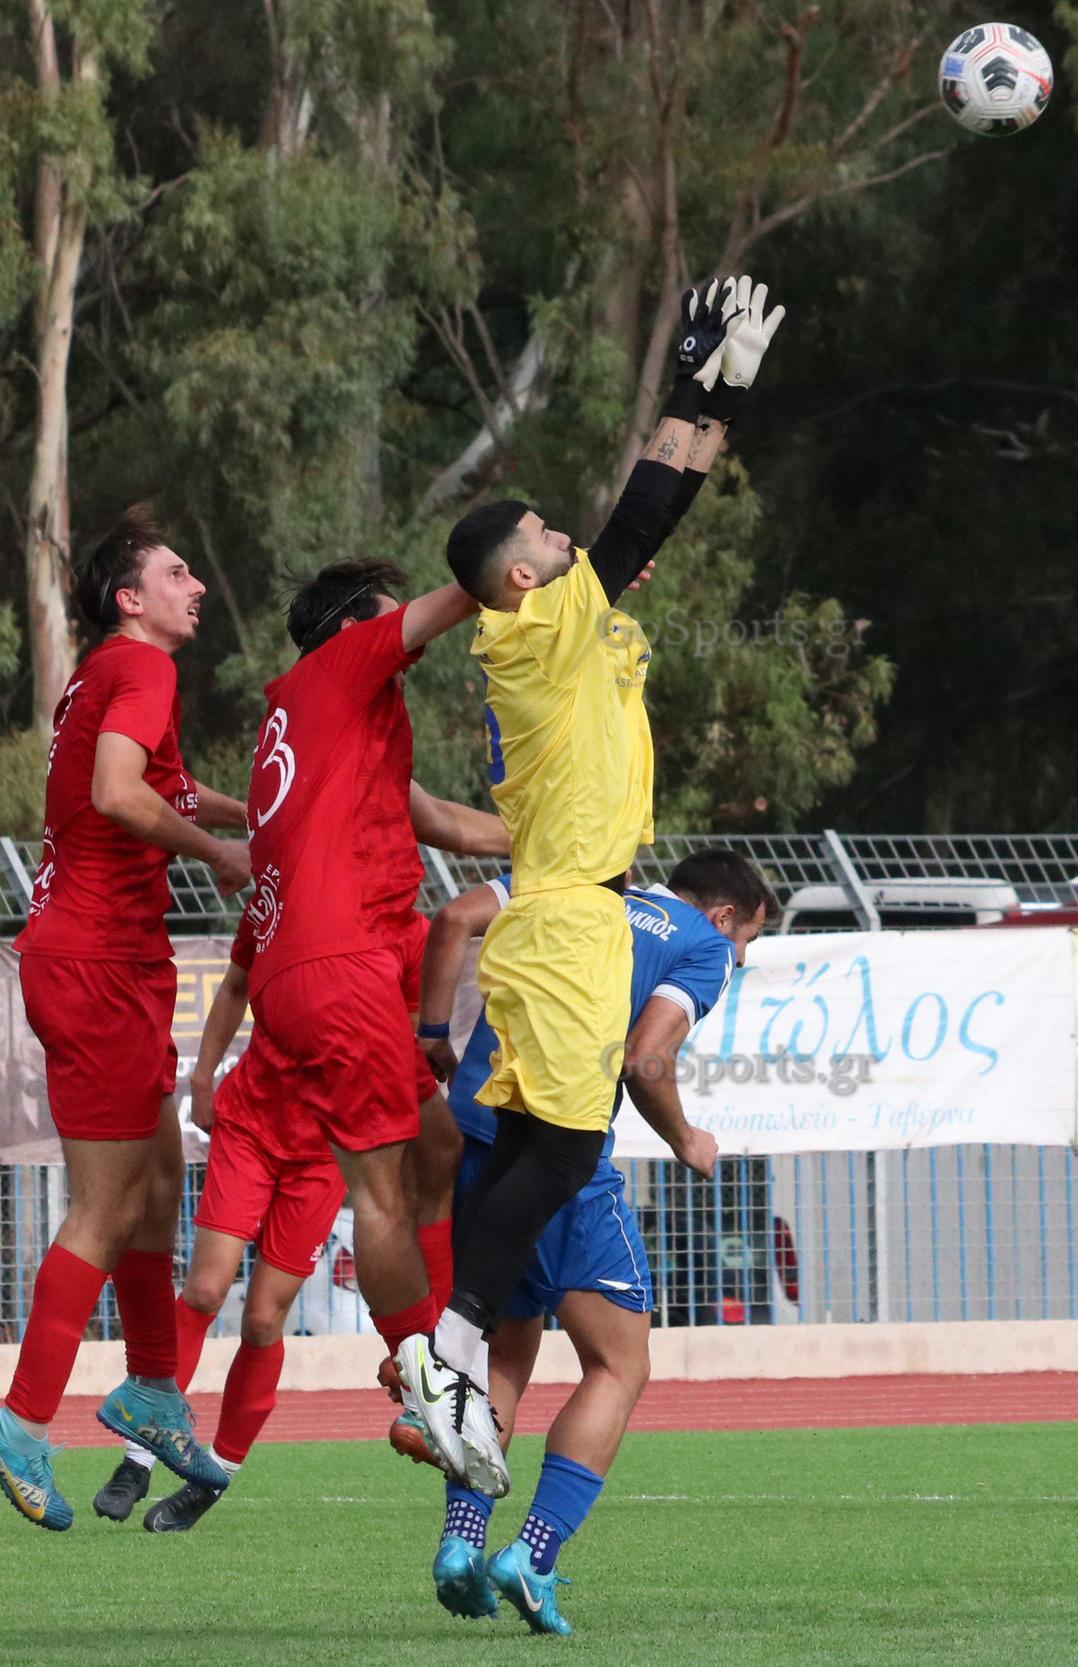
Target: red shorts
106, 1027
286, 1207
344, 1020
413, 943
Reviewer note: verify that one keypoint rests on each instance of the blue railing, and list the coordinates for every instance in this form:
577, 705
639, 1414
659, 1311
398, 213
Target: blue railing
949, 1233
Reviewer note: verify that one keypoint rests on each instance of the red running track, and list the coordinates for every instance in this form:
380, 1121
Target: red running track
726, 1404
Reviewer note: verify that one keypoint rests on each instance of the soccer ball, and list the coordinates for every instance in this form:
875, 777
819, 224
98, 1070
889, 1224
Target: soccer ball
995, 78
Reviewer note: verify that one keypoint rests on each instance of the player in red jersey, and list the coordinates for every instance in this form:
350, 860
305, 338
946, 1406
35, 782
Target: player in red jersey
99, 987
271, 1178
337, 870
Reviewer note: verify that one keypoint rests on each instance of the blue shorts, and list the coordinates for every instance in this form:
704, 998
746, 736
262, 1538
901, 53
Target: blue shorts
592, 1244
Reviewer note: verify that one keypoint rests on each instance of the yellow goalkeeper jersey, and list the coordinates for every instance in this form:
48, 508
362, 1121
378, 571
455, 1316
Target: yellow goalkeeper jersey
569, 745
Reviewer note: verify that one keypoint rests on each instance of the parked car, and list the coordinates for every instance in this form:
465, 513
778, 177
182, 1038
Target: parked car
902, 905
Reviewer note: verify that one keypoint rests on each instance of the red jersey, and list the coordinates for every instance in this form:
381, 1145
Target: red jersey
334, 856
101, 893
261, 1092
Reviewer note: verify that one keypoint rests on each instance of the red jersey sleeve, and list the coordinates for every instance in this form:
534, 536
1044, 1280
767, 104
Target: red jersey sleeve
141, 698
366, 655
242, 953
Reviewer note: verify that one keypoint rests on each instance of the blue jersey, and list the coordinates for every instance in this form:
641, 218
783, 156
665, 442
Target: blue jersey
677, 953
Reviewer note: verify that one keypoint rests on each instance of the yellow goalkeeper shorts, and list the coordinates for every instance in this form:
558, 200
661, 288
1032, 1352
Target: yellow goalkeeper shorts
555, 971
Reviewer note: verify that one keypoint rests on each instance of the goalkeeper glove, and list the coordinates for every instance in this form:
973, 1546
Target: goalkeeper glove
731, 369
703, 325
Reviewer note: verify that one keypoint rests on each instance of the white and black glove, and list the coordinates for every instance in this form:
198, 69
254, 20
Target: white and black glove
731, 369
703, 326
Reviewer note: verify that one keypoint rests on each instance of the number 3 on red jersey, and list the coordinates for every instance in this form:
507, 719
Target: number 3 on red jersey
280, 757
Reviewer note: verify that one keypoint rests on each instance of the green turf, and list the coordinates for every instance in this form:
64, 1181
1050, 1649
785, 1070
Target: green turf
887, 1548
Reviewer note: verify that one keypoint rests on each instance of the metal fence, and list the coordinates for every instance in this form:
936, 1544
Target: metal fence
956, 1233
1039, 868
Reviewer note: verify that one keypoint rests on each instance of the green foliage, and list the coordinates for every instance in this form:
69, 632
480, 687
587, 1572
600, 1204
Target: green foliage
22, 783
1066, 15
281, 330
754, 714
10, 644
364, 49
119, 29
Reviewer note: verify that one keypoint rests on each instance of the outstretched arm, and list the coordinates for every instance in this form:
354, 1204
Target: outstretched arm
218, 810
724, 339
660, 489
435, 613
120, 792
451, 930
222, 1022
452, 827
650, 1059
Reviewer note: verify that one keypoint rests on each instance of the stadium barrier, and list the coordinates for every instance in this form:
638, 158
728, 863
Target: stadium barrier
794, 1252
946, 1234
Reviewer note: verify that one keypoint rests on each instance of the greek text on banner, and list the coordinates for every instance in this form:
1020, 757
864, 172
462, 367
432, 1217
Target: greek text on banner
863, 1041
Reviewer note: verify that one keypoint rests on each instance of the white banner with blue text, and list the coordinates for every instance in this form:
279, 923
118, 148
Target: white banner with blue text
861, 1041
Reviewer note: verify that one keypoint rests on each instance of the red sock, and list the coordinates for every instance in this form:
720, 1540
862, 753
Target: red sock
147, 1302
249, 1398
436, 1245
65, 1295
191, 1329
394, 1328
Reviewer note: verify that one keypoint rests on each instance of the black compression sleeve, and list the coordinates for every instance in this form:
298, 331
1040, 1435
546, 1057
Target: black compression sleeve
640, 521
691, 482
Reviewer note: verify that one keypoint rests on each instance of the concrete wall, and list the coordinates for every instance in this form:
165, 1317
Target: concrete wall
682, 1353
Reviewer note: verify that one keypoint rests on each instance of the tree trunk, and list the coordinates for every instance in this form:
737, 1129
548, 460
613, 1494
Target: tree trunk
469, 470
289, 108
59, 233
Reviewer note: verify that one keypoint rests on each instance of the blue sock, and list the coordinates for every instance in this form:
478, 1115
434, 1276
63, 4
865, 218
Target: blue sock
566, 1493
467, 1512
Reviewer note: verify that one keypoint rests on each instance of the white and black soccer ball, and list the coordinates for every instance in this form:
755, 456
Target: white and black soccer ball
995, 78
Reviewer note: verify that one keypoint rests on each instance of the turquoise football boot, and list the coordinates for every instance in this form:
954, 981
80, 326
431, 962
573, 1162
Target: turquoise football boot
460, 1579
160, 1421
26, 1476
533, 1596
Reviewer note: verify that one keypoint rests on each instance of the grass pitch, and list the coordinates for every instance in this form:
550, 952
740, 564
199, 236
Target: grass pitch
865, 1548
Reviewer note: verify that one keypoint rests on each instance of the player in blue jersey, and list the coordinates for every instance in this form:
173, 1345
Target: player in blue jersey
590, 1266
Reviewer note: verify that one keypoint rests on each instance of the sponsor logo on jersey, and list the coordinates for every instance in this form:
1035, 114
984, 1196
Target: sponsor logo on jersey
275, 754
186, 800
265, 907
652, 918
65, 708
44, 876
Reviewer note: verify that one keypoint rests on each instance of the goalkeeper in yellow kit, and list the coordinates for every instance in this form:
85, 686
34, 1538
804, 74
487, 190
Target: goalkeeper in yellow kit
571, 773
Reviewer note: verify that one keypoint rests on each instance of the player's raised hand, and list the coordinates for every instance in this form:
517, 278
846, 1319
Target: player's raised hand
747, 336
702, 329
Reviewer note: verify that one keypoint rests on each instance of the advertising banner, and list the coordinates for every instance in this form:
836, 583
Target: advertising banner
835, 1042
861, 1041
